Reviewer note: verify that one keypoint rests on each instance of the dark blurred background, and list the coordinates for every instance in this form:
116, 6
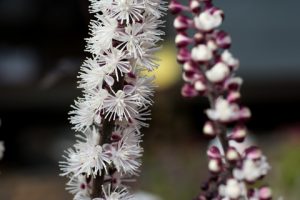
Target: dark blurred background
42, 48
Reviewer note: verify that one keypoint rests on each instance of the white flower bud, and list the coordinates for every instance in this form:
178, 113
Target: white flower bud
218, 72
200, 86
201, 53
207, 20
228, 58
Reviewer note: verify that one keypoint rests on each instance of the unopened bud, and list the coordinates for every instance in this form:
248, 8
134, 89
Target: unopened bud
218, 72
188, 90
183, 55
234, 96
215, 165
214, 152
238, 134
182, 40
201, 53
182, 23
223, 40
232, 154
265, 193
209, 129
176, 7
253, 153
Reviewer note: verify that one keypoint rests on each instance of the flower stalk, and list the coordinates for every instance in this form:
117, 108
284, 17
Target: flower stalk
209, 70
116, 98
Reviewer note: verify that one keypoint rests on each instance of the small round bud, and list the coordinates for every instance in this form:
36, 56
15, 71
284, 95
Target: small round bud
215, 165
245, 113
188, 90
265, 193
200, 86
183, 55
234, 96
218, 72
223, 40
228, 58
232, 154
214, 152
182, 40
195, 6
209, 19
182, 23
209, 129
238, 134
199, 38
175, 7
253, 153
201, 53
233, 84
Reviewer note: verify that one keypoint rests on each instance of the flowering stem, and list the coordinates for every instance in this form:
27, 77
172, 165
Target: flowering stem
105, 132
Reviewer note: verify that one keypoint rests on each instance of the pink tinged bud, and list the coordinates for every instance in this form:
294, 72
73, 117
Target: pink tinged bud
181, 40
201, 53
228, 58
190, 66
200, 86
238, 134
212, 45
214, 153
234, 96
245, 113
218, 72
253, 153
209, 19
209, 129
195, 6
199, 38
215, 165
176, 7
232, 154
265, 193
182, 23
188, 90
233, 84
191, 76
183, 55
223, 39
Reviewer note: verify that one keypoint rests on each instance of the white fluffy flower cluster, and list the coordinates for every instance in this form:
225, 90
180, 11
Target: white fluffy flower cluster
116, 96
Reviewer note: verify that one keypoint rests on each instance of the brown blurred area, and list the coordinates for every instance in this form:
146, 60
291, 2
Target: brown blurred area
41, 50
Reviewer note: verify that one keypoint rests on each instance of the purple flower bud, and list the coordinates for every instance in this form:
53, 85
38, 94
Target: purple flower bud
253, 153
188, 90
233, 84
183, 55
175, 7
213, 152
182, 23
182, 40
238, 134
223, 39
195, 6
190, 66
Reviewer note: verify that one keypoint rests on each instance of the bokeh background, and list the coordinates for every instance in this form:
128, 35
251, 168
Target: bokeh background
41, 50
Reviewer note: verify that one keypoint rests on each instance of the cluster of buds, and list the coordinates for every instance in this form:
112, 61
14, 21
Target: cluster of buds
209, 70
116, 98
